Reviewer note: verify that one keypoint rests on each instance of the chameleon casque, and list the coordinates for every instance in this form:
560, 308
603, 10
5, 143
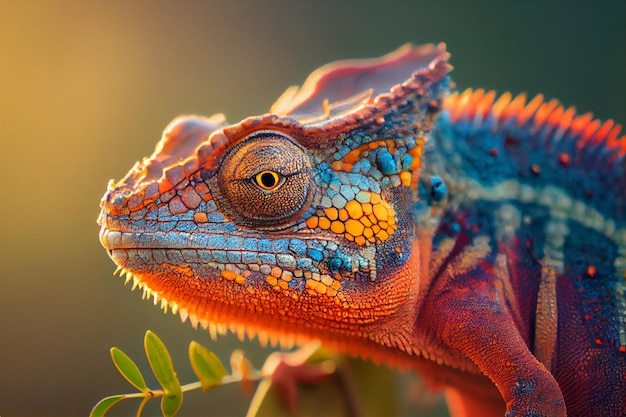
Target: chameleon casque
480, 241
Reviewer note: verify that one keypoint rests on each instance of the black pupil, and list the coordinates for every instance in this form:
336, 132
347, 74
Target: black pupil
268, 180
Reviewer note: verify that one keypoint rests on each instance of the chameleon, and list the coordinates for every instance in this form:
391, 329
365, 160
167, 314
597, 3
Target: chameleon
477, 239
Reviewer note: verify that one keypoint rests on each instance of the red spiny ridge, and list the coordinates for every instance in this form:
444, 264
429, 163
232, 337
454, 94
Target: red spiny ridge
478, 105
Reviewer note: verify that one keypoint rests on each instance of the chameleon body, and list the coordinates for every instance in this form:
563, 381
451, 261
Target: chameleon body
478, 241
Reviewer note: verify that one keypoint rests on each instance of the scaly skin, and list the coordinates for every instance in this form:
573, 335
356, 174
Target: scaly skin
480, 242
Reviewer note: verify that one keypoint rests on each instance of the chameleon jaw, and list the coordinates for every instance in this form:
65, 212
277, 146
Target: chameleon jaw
214, 328
268, 315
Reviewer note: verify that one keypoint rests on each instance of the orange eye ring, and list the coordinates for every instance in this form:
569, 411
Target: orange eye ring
268, 180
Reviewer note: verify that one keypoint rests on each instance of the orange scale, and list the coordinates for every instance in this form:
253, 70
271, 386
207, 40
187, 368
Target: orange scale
380, 211
354, 209
354, 227
200, 217
337, 227
382, 235
324, 223
332, 213
312, 222
164, 185
405, 178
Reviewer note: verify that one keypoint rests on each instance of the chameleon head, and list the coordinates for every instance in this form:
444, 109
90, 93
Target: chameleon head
291, 224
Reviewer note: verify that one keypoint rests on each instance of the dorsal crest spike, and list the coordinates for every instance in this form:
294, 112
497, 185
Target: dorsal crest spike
549, 115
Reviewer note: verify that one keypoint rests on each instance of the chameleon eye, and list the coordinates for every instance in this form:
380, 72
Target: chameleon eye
264, 182
268, 180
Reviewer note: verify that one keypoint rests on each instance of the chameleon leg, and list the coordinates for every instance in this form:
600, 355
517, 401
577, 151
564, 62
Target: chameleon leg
475, 323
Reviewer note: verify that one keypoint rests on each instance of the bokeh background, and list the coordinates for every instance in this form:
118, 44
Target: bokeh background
86, 88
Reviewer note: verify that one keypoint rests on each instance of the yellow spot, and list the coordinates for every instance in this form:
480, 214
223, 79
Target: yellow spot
343, 215
271, 280
311, 222
326, 108
327, 280
337, 227
368, 232
360, 240
233, 276
331, 292
336, 285
229, 275
331, 213
200, 217
375, 199
283, 284
367, 209
354, 209
380, 211
310, 284
405, 178
324, 223
416, 153
276, 272
366, 222
321, 288
382, 235
354, 227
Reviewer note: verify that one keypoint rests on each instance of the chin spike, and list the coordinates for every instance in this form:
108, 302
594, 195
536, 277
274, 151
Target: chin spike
213, 331
193, 319
183, 314
241, 333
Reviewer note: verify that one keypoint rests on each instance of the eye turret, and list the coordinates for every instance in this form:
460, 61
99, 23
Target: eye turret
264, 182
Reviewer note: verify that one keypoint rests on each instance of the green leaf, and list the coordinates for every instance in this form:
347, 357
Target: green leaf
161, 364
170, 404
207, 366
128, 369
105, 404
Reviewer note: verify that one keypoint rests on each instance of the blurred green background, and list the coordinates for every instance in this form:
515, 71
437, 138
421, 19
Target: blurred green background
87, 87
